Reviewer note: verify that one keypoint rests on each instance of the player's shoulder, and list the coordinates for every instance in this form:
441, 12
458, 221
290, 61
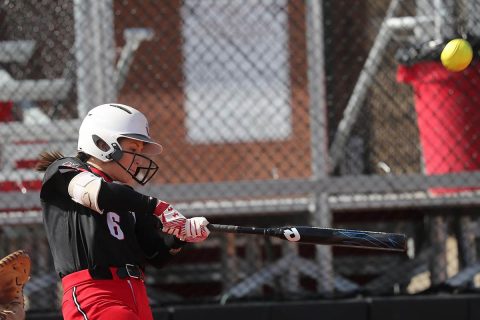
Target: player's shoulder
67, 164
64, 165
58, 174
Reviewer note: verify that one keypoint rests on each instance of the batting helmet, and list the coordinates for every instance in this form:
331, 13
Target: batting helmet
105, 124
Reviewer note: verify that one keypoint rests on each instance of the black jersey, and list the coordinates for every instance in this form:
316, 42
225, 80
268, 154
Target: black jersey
80, 238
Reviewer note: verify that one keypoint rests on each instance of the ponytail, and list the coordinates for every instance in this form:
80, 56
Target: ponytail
45, 159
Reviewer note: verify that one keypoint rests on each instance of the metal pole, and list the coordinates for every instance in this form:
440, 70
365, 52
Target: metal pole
318, 136
316, 82
438, 263
94, 53
444, 19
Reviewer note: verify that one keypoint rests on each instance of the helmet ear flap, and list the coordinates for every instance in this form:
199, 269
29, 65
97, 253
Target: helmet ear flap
101, 144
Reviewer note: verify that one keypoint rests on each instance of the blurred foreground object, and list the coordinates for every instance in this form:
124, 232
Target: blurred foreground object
14, 274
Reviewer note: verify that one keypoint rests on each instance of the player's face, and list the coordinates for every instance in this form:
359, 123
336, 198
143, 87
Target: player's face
128, 161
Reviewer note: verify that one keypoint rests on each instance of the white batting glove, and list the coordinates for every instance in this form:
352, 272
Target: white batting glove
196, 229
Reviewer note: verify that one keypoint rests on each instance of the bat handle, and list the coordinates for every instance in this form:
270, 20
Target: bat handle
222, 228
237, 229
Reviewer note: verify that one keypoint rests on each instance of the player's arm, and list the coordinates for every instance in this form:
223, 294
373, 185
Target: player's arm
158, 247
173, 222
93, 192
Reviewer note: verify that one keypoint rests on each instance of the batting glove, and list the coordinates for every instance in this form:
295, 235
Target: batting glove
174, 223
196, 229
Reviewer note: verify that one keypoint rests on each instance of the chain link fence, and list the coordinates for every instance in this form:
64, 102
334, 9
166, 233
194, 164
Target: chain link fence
271, 113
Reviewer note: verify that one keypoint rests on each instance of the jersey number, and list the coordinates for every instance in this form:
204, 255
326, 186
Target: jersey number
113, 221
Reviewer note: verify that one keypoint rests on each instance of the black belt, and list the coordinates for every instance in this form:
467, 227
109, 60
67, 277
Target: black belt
130, 271
123, 272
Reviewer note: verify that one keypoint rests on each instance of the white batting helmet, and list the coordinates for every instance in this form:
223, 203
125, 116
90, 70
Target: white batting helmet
109, 122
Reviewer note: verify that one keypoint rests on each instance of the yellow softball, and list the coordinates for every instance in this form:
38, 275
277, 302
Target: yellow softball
457, 55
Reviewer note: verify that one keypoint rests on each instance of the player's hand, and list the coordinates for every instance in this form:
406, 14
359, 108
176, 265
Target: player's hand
173, 222
196, 229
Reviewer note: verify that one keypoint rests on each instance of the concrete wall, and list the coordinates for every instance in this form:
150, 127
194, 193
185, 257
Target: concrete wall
438, 307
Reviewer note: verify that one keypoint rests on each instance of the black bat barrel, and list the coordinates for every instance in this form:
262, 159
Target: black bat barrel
325, 236
341, 237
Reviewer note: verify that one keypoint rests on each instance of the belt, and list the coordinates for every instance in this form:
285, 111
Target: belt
130, 271
112, 273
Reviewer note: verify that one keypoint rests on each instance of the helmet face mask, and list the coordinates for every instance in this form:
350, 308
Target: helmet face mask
144, 173
145, 167
105, 125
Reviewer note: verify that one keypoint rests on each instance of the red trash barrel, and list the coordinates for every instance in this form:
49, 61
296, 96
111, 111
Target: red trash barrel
448, 114
6, 111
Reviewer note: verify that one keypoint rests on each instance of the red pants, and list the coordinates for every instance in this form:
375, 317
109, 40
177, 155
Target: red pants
120, 299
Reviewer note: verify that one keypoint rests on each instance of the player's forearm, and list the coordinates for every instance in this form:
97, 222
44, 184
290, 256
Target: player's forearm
99, 195
117, 198
93, 192
166, 250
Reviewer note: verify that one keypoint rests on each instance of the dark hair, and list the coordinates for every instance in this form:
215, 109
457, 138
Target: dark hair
45, 159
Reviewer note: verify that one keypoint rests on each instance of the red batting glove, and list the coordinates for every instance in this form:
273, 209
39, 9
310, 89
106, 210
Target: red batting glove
173, 222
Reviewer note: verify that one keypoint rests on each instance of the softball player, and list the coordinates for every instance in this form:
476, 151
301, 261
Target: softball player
101, 231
